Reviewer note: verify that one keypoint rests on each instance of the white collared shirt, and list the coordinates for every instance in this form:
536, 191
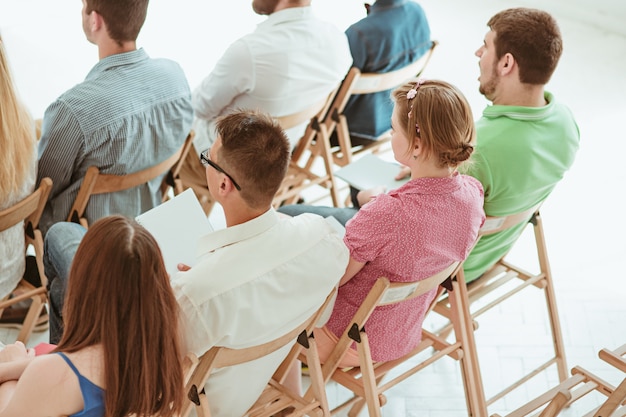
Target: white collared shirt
253, 283
290, 62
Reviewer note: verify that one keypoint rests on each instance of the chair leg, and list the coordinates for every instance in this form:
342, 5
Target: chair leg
464, 333
555, 324
369, 379
30, 321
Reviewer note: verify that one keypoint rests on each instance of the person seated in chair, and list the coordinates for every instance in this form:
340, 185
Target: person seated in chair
290, 62
527, 139
18, 168
130, 113
394, 33
120, 353
416, 231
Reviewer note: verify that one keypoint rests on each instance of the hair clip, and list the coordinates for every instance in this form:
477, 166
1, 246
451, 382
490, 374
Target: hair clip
410, 95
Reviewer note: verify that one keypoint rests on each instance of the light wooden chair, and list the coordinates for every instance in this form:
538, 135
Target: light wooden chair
366, 380
577, 386
315, 143
276, 397
367, 83
96, 183
503, 281
28, 211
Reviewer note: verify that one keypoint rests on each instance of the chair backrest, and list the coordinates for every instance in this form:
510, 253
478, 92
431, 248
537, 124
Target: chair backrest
221, 357
383, 293
28, 210
172, 179
295, 119
96, 183
314, 143
497, 224
367, 83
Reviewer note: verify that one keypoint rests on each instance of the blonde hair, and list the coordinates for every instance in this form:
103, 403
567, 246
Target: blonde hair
440, 116
17, 133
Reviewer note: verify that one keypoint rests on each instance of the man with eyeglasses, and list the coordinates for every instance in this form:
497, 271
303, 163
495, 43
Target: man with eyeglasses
261, 276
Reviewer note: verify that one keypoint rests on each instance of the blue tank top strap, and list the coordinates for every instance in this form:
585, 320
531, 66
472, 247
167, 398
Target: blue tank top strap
69, 362
93, 395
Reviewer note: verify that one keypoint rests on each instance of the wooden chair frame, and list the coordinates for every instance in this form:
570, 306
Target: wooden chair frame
28, 211
96, 183
505, 273
581, 383
366, 380
313, 144
367, 83
276, 397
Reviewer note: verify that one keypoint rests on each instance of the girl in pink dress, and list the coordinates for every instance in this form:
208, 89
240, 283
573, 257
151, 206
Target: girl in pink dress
417, 230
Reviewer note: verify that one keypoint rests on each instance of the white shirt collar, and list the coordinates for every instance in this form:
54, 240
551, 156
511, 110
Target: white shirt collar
286, 15
230, 235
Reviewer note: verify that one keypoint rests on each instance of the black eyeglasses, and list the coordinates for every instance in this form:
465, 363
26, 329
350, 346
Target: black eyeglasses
204, 158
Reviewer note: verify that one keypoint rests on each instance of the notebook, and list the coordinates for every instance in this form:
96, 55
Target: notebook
177, 225
371, 171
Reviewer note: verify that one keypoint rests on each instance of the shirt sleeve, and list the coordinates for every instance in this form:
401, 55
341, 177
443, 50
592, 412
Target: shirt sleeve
479, 169
371, 229
61, 147
232, 76
195, 333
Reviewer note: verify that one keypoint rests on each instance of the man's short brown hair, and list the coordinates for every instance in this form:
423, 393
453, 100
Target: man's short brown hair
533, 38
124, 18
256, 152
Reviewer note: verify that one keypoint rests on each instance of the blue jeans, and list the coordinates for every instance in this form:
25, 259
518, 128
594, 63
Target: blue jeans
60, 244
342, 214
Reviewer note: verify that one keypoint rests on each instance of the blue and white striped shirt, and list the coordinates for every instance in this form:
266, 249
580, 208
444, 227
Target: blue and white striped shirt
130, 113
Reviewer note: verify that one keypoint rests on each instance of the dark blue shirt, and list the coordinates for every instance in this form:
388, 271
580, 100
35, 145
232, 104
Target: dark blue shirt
394, 34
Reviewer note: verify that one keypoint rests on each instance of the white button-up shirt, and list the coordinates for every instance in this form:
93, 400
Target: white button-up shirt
253, 283
290, 62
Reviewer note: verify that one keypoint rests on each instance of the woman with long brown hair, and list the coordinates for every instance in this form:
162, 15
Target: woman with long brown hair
18, 165
119, 353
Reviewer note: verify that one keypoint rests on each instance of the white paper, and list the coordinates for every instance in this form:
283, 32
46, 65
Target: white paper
371, 171
177, 225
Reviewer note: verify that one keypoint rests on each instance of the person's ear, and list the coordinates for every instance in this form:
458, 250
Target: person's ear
96, 21
417, 148
506, 64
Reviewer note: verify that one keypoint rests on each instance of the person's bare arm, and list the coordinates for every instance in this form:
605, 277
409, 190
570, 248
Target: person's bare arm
351, 270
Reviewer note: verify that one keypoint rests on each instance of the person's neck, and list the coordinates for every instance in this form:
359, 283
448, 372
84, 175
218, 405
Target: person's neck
239, 213
429, 169
524, 95
111, 47
286, 4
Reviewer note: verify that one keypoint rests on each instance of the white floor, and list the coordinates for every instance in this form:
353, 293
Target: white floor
584, 227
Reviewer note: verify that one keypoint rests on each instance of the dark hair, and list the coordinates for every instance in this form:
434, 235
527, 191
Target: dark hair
119, 296
533, 38
123, 18
256, 152
444, 117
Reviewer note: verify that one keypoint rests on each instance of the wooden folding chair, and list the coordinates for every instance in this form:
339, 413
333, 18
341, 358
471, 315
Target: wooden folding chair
96, 183
276, 397
366, 380
313, 144
367, 83
504, 280
172, 182
581, 383
28, 211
